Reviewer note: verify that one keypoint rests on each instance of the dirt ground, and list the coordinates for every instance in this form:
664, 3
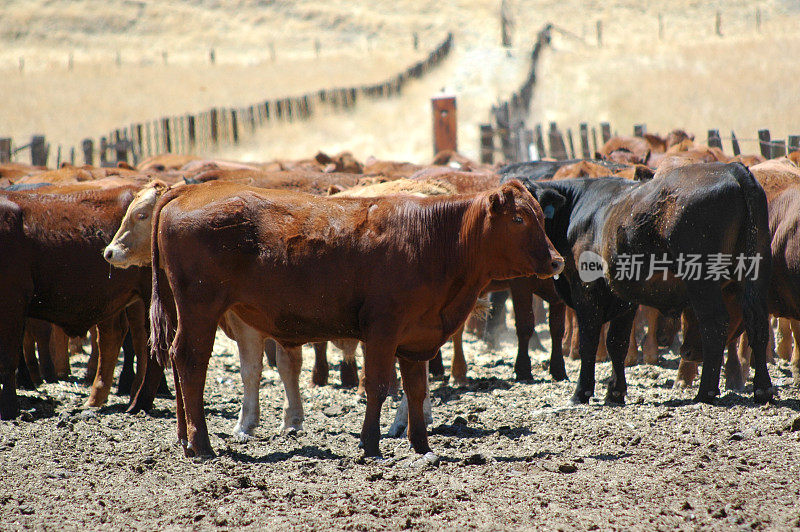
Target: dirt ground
512, 455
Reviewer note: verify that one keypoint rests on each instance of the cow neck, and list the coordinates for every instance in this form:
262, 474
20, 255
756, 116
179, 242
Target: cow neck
469, 274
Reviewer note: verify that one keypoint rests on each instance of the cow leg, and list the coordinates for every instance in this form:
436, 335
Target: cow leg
436, 366
191, 351
125, 380
784, 349
556, 318
11, 336
617, 341
110, 333
94, 356
416, 389
180, 412
795, 326
458, 366
602, 352
24, 381
734, 372
140, 332
59, 342
756, 322
575, 347
400, 423
712, 320
632, 358
522, 300
650, 343
566, 342
251, 365
29, 356
496, 322
349, 369
270, 349
588, 337
290, 361
46, 366
142, 400
379, 380
319, 375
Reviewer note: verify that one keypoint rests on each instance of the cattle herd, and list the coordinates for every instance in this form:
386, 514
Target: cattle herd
652, 238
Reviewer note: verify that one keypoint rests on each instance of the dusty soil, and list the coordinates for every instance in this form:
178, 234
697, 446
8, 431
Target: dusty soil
513, 455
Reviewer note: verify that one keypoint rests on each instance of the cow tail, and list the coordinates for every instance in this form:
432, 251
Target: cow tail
756, 244
162, 330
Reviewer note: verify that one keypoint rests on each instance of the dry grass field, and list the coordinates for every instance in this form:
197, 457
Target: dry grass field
691, 77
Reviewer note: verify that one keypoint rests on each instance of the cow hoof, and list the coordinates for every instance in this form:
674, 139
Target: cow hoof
734, 384
9, 412
397, 430
291, 430
615, 397
764, 396
523, 376
319, 380
559, 375
581, 398
708, 398
460, 382
681, 384
242, 435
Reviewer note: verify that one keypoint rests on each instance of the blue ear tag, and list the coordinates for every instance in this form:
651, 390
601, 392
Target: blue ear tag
549, 211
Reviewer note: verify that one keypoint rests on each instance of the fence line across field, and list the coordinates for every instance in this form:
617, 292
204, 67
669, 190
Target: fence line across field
220, 125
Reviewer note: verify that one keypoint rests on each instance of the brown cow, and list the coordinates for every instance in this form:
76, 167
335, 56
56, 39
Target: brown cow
166, 161
399, 273
51, 268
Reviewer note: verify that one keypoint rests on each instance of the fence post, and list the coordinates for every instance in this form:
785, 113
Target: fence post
103, 149
714, 140
487, 144
167, 139
639, 130
192, 132
540, 141
777, 149
718, 24
5, 150
605, 129
445, 131
557, 148
38, 151
571, 144
584, 132
235, 125
794, 143
504, 130
212, 120
735, 144
594, 142
763, 137
72, 156
600, 33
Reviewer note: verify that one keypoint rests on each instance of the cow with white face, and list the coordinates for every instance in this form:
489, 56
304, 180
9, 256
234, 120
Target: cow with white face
131, 247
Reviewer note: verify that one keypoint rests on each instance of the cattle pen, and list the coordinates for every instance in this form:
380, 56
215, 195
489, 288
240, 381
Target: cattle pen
516, 442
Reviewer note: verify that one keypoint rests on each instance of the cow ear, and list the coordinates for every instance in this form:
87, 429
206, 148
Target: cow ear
551, 201
323, 158
335, 189
495, 203
643, 173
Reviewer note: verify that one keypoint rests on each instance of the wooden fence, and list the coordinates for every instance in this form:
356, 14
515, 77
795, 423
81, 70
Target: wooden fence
509, 116
208, 130
561, 144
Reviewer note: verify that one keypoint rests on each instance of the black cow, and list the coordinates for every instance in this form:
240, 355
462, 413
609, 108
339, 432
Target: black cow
708, 210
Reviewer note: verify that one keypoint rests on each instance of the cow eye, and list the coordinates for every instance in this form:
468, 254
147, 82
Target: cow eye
517, 219
141, 215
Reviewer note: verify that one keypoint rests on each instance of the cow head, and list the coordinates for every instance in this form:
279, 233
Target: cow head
516, 226
131, 245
